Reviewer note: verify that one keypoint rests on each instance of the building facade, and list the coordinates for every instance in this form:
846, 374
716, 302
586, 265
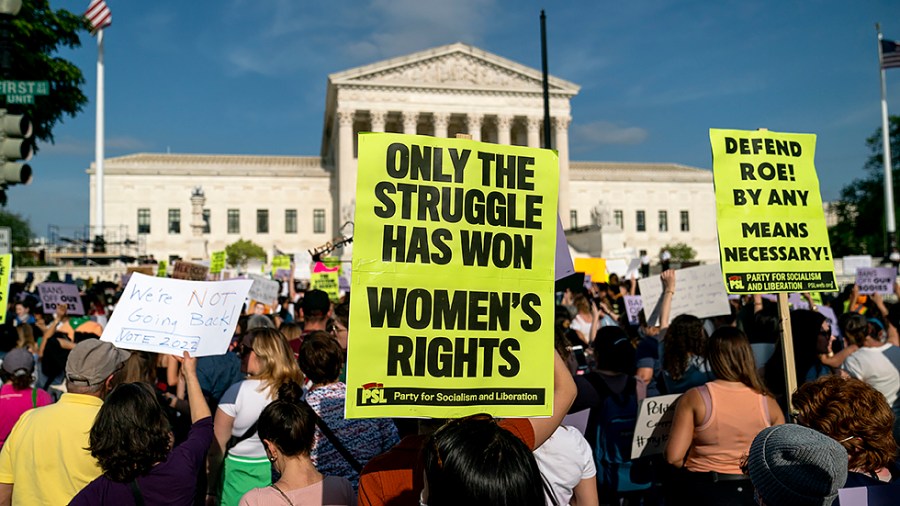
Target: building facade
292, 204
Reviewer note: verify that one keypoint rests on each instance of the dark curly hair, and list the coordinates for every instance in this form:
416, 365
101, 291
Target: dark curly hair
852, 413
131, 433
684, 338
289, 422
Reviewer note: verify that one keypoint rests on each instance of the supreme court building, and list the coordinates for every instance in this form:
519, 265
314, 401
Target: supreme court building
188, 205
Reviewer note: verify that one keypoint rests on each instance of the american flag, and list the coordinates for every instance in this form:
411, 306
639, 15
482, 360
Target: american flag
890, 54
98, 15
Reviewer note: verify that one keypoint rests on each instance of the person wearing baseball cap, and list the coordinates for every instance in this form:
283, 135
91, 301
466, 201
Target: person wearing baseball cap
54, 439
17, 374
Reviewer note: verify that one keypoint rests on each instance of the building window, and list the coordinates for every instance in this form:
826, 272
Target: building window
619, 218
234, 221
206, 229
663, 221
573, 219
318, 221
174, 221
262, 221
685, 222
290, 221
143, 221
641, 218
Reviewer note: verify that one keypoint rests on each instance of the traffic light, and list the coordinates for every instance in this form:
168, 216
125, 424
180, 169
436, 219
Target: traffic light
15, 145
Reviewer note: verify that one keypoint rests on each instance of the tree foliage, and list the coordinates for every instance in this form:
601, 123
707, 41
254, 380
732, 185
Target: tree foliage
680, 252
21, 233
242, 251
860, 229
36, 34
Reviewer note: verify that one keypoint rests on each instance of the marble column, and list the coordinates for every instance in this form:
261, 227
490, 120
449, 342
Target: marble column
378, 118
561, 125
410, 121
441, 120
504, 123
473, 123
346, 167
534, 131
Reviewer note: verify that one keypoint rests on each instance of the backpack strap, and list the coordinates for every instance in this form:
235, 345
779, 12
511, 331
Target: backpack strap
332, 437
136, 493
34, 397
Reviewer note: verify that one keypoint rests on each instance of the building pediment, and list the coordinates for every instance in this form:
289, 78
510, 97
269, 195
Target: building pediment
457, 66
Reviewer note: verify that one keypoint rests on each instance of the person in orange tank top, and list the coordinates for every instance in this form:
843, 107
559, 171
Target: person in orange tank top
715, 423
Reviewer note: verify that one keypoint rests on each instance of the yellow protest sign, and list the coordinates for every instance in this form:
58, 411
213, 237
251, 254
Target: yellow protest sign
772, 232
453, 274
216, 262
595, 267
281, 267
5, 272
326, 279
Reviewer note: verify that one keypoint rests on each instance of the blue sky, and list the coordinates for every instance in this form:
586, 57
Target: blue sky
249, 77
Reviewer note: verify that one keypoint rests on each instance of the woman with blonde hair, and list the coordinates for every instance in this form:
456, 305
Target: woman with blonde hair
269, 364
715, 424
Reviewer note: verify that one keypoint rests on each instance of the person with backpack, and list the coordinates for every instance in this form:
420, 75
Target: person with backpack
612, 420
17, 396
715, 423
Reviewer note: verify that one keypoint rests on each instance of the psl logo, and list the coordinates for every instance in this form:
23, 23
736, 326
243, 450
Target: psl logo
372, 393
735, 283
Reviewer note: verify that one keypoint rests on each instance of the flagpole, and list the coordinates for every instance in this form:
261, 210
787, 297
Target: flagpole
98, 146
886, 152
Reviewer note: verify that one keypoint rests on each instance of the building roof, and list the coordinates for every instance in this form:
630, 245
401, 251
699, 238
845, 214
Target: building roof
213, 165
632, 171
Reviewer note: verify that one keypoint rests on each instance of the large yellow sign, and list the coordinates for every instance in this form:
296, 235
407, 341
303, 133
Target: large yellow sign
452, 305
772, 232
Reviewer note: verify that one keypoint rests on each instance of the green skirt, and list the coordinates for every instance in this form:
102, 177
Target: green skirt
241, 474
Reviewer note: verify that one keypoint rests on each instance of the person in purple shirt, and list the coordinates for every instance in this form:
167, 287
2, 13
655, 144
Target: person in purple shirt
132, 442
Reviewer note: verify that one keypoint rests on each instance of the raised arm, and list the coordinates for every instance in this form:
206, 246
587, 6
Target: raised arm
665, 310
199, 407
564, 391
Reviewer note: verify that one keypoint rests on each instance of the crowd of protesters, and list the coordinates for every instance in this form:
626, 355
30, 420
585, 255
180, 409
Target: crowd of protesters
83, 422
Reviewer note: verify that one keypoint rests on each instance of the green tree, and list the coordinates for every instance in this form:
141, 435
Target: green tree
21, 233
860, 228
239, 253
37, 33
680, 252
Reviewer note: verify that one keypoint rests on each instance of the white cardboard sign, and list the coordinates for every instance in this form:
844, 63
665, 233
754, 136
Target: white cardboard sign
852, 263
699, 291
654, 423
263, 289
171, 316
54, 294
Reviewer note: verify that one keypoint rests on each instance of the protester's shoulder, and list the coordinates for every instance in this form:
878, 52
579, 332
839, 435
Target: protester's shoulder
256, 496
93, 493
521, 428
43, 398
337, 484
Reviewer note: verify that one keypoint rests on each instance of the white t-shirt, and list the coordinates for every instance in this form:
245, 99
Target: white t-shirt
581, 325
877, 366
245, 402
564, 460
